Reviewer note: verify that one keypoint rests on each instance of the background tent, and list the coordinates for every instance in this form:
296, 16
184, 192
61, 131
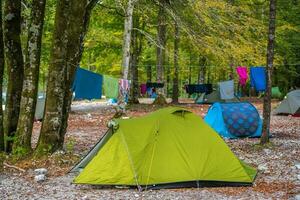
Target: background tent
39, 109
213, 98
234, 120
87, 85
258, 78
169, 147
290, 105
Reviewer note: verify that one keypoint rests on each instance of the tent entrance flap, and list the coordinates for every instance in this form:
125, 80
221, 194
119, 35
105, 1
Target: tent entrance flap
91, 154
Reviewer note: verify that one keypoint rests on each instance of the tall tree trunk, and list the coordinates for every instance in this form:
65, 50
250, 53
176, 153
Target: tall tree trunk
168, 76
161, 41
202, 70
137, 40
14, 60
190, 69
49, 136
2, 62
79, 29
149, 73
270, 58
31, 78
176, 55
57, 105
127, 39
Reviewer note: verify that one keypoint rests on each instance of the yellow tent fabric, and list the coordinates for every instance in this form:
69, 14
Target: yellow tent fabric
171, 145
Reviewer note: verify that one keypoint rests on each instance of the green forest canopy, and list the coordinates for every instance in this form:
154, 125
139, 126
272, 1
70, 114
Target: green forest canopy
223, 32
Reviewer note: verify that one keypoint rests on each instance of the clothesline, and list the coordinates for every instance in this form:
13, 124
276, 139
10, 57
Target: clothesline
188, 65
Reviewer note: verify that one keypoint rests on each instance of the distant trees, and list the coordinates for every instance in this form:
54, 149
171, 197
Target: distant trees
176, 67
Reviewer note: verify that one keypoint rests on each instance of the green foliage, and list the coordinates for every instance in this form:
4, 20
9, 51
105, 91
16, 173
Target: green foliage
224, 32
70, 145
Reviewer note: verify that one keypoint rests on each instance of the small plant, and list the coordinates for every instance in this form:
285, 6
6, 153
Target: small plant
70, 145
2, 158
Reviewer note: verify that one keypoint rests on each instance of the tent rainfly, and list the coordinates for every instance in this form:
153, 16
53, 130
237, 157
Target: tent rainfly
168, 148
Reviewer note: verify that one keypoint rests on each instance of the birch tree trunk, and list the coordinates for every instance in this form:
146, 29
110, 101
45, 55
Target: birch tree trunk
270, 58
49, 136
127, 39
2, 62
176, 56
14, 60
31, 78
161, 42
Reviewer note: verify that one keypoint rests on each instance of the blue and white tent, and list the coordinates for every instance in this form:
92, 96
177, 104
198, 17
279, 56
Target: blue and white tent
234, 120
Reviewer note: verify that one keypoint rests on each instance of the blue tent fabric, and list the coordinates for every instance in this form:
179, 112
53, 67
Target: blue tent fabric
234, 120
87, 85
258, 78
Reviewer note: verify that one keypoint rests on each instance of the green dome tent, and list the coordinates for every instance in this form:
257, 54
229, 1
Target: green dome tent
167, 148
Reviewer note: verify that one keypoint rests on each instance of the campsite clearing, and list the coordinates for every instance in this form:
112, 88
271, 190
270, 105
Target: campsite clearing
277, 177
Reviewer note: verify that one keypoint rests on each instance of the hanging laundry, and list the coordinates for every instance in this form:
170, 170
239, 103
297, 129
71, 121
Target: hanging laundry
155, 85
198, 88
143, 88
226, 89
87, 85
124, 86
243, 74
110, 87
258, 78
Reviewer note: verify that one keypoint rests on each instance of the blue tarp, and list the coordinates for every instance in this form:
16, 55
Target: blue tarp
87, 85
258, 78
234, 120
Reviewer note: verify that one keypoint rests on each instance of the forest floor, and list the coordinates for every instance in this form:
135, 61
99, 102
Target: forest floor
278, 176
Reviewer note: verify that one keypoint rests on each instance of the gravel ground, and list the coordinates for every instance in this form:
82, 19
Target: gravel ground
277, 177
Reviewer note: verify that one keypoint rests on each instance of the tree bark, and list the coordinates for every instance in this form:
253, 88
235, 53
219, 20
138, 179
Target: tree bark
127, 39
2, 62
270, 59
168, 76
31, 78
149, 73
14, 60
176, 55
202, 70
49, 136
137, 40
161, 41
79, 27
